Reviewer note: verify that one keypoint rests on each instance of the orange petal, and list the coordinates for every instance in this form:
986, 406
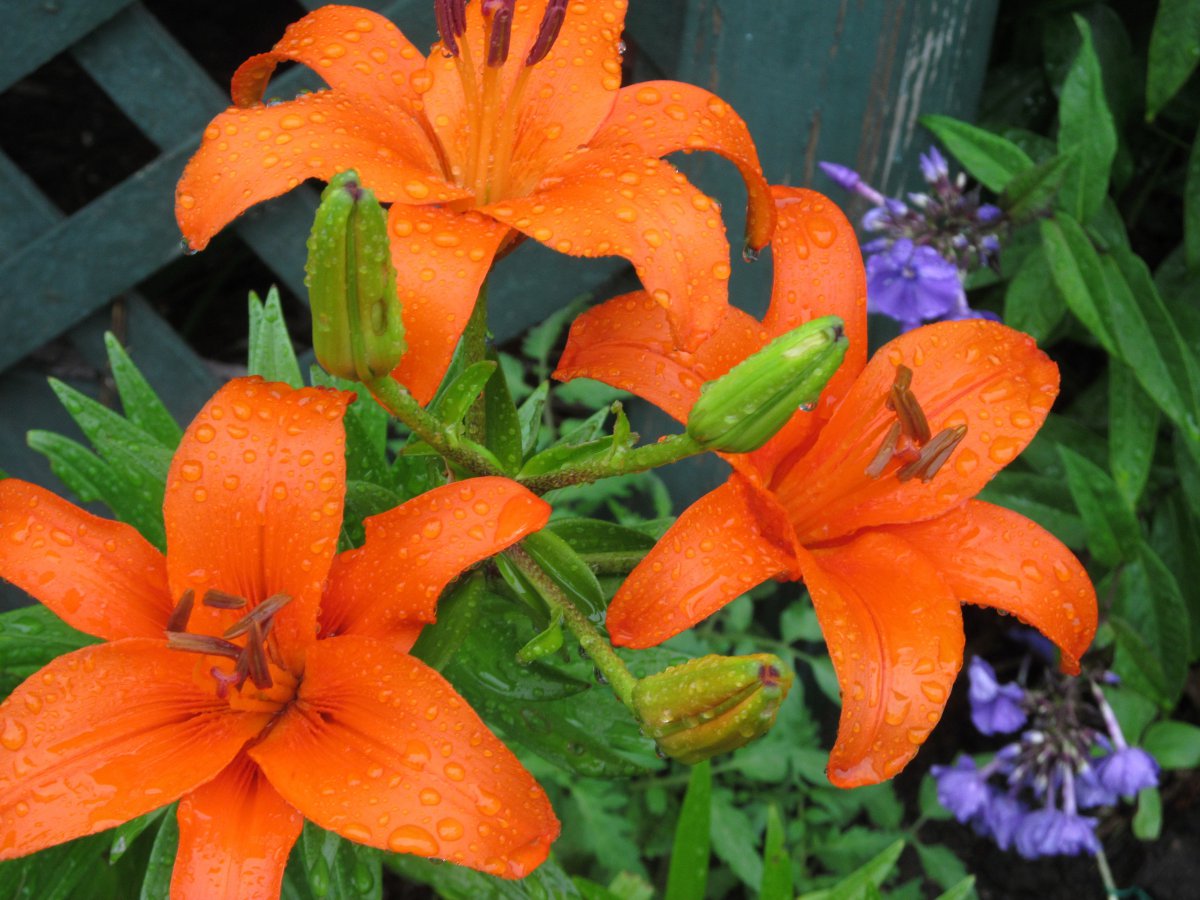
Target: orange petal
725, 543
626, 342
621, 202
994, 557
664, 116
896, 645
97, 575
105, 734
253, 504
413, 551
355, 51
235, 833
976, 373
441, 259
380, 749
251, 155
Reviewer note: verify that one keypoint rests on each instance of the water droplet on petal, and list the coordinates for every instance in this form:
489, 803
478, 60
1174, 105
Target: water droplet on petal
412, 839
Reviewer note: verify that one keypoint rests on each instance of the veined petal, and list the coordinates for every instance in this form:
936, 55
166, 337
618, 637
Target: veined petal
976, 373
413, 551
995, 557
896, 645
627, 343
250, 155
97, 575
441, 259
380, 749
356, 51
105, 734
620, 202
662, 117
235, 833
725, 543
253, 505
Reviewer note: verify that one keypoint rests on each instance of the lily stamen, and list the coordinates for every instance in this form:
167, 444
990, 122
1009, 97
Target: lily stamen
451, 22
202, 643
256, 659
908, 410
178, 620
498, 15
258, 615
886, 451
552, 19
221, 600
934, 454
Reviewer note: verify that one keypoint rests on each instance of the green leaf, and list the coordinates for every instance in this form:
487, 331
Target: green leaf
271, 354
1176, 745
1191, 204
603, 816
688, 876
337, 868
991, 159
457, 613
55, 873
1032, 192
859, 884
777, 862
1147, 821
928, 803
799, 623
1132, 432
563, 455
1174, 51
548, 640
1028, 306
32, 636
502, 424
141, 404
942, 866
366, 424
530, 416
605, 546
567, 570
1152, 626
734, 838
1075, 269
1113, 531
538, 343
1085, 129
363, 500
450, 882
157, 883
451, 405
960, 891
126, 834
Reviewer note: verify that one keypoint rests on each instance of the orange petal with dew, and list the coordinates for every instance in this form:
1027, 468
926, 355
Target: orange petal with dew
235, 833
976, 373
994, 557
253, 504
105, 734
724, 544
97, 575
662, 117
896, 646
250, 155
621, 202
413, 551
356, 51
380, 749
627, 343
442, 259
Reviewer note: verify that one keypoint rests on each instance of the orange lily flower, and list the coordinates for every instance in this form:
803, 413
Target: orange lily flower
866, 498
516, 124
252, 674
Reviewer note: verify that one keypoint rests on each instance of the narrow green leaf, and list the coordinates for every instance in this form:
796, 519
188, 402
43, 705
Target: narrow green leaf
55, 873
1132, 432
157, 883
366, 424
1174, 51
450, 882
1113, 530
942, 866
559, 560
337, 868
992, 160
32, 636
1086, 129
688, 875
1176, 745
457, 612
271, 354
548, 640
1032, 192
502, 424
563, 454
1147, 821
1191, 203
960, 891
141, 404
530, 416
451, 405
1075, 268
538, 343
734, 838
858, 884
1152, 625
124, 835
777, 862
363, 500
1028, 305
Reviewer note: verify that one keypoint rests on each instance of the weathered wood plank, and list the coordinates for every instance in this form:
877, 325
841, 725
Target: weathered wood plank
37, 30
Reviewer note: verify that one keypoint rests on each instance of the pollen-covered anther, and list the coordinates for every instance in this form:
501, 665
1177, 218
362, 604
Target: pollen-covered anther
260, 616
552, 19
498, 18
451, 22
220, 600
182, 613
885, 453
908, 410
933, 455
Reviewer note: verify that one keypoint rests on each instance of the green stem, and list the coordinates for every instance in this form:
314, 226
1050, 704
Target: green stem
649, 456
396, 399
590, 639
1106, 876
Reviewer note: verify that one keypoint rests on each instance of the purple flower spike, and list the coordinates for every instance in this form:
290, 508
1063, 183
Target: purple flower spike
995, 708
934, 167
843, 176
1052, 832
913, 284
1000, 818
1127, 771
961, 788
1090, 790
987, 213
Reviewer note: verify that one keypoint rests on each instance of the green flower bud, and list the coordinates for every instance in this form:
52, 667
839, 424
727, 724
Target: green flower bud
357, 330
742, 410
711, 705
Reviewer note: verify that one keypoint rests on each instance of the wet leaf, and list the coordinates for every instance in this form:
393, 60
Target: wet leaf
157, 883
1174, 51
992, 160
1085, 130
688, 875
270, 353
777, 862
140, 401
1132, 432
502, 424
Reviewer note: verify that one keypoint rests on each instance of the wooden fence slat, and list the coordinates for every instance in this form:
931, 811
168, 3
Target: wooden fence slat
41, 29
24, 212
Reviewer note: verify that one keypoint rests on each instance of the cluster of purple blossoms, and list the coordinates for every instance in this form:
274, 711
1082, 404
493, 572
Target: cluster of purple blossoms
1071, 756
927, 246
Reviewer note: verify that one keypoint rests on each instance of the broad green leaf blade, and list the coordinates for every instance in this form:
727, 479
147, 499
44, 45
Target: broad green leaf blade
777, 862
1147, 821
457, 613
337, 868
991, 159
141, 404
1032, 192
366, 425
55, 873
271, 354
1132, 432
1152, 626
734, 838
451, 406
1176, 745
606, 547
565, 567
871, 875
960, 891
942, 866
157, 883
124, 835
502, 425
1075, 268
1191, 204
1113, 531
32, 636
1028, 305
561, 455
363, 500
1085, 129
1174, 51
688, 875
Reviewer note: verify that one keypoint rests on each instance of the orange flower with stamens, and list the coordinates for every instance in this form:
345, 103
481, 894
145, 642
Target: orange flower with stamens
253, 675
516, 124
867, 498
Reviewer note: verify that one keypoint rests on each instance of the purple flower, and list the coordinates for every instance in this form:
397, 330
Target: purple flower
1127, 771
1090, 790
988, 214
961, 788
1052, 832
934, 167
843, 176
1000, 818
995, 708
913, 284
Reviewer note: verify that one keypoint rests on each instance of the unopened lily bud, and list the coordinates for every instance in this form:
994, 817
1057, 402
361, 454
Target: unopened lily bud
742, 410
357, 330
711, 705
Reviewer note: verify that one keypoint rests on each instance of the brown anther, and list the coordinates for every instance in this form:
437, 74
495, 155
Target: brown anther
498, 16
221, 600
911, 416
552, 19
178, 620
900, 383
258, 615
451, 18
886, 450
933, 455
202, 643
256, 659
